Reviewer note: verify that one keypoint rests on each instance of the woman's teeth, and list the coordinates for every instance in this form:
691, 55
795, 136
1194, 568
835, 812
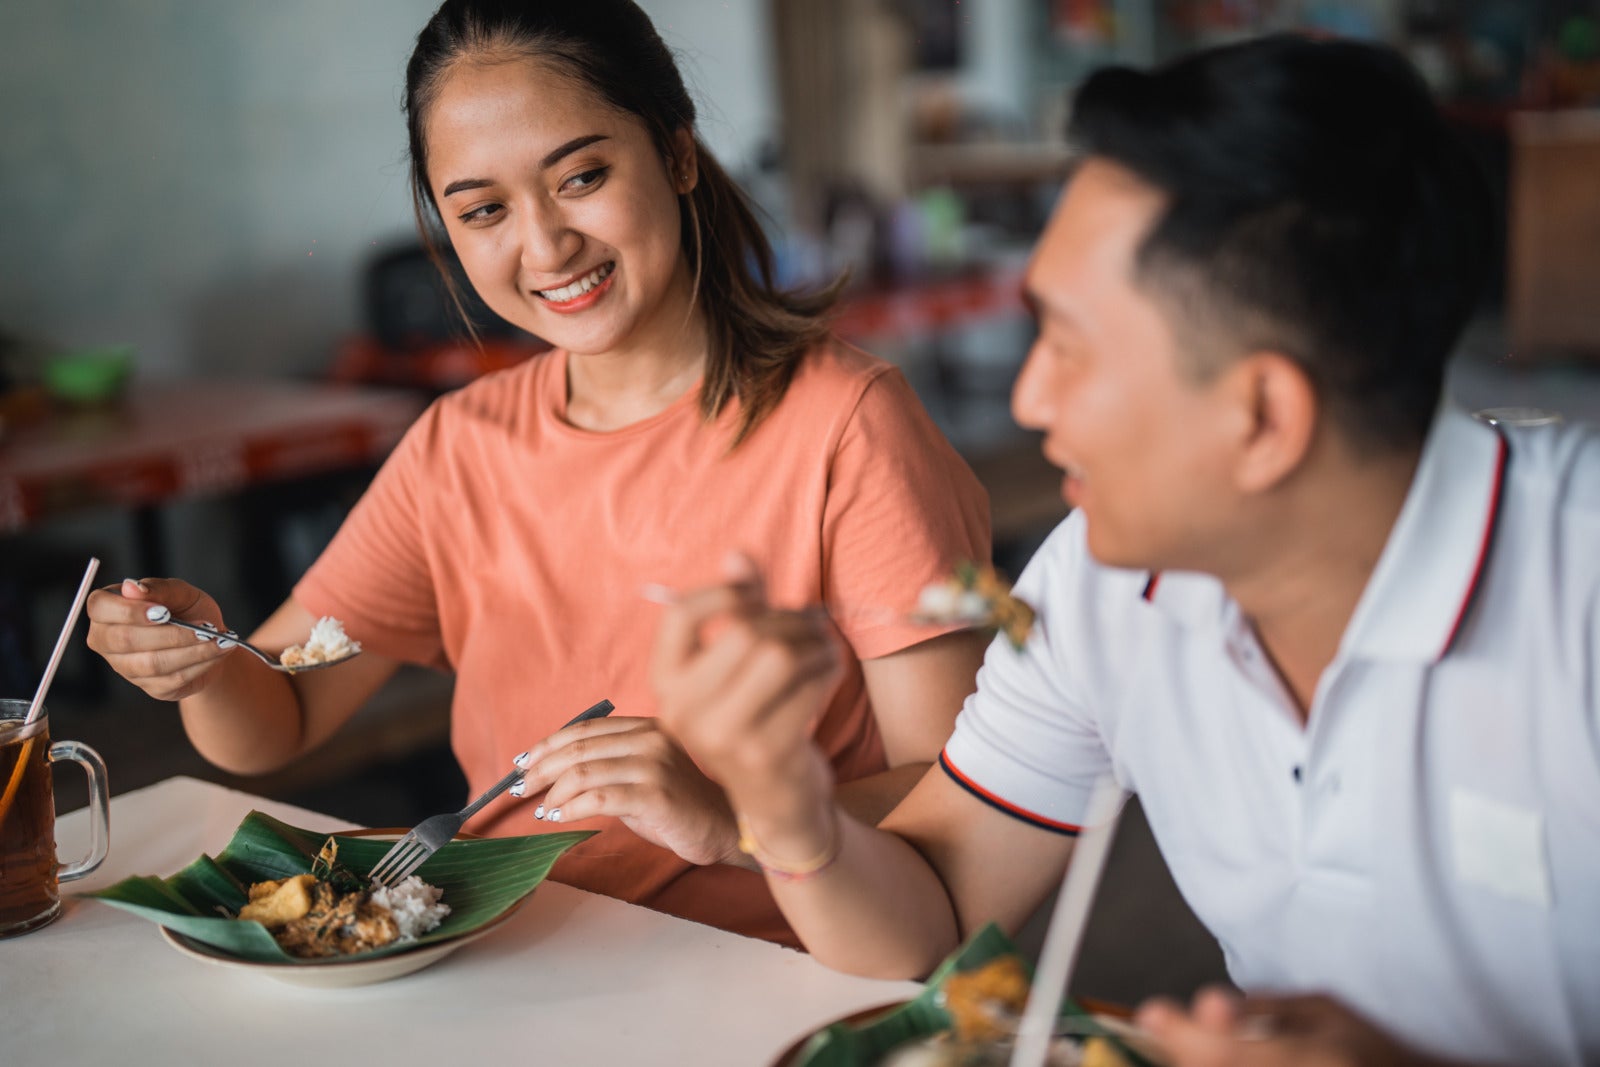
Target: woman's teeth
579, 287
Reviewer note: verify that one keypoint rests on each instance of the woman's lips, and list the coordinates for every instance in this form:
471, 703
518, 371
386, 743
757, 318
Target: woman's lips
580, 293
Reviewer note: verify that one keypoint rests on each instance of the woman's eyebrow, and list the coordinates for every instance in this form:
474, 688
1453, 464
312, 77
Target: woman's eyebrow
547, 162
570, 147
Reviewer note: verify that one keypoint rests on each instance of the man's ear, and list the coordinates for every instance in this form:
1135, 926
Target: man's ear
684, 163
1279, 411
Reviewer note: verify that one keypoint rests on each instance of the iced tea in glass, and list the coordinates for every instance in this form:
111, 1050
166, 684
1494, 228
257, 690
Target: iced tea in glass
29, 874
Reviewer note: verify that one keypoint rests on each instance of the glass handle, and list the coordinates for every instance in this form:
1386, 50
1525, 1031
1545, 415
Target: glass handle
99, 806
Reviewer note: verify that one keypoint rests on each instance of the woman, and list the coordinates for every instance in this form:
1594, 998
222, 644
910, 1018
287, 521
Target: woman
689, 411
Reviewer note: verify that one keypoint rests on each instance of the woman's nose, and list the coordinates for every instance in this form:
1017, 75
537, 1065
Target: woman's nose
548, 242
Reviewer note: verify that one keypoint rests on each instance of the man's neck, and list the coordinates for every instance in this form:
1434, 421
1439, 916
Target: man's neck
1300, 592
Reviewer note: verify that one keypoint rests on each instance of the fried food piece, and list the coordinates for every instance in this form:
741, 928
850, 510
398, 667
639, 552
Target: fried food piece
981, 999
272, 904
978, 596
1098, 1052
337, 924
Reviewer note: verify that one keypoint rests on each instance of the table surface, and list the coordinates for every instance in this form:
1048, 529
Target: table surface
168, 439
571, 978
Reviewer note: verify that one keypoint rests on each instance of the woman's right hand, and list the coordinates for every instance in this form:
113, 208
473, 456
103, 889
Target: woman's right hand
167, 662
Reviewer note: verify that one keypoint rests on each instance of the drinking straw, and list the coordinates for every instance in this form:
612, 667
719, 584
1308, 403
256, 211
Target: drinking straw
44, 684
1064, 935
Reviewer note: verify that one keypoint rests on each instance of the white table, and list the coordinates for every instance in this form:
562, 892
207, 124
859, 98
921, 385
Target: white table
571, 979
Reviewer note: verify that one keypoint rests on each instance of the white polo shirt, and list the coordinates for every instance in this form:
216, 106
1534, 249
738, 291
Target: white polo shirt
1427, 848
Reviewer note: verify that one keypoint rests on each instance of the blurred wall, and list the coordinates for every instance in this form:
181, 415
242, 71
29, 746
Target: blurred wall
205, 180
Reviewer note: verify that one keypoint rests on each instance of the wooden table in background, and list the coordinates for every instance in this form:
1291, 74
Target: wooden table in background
167, 440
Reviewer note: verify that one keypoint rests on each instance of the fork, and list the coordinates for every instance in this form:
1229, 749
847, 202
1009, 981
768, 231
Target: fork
206, 631
432, 833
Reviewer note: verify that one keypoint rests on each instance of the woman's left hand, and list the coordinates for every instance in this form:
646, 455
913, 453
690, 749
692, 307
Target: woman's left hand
630, 769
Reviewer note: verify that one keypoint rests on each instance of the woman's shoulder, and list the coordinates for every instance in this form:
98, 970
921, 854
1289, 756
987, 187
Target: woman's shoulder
835, 369
503, 398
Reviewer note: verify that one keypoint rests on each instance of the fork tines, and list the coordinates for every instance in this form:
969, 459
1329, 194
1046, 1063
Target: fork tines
400, 862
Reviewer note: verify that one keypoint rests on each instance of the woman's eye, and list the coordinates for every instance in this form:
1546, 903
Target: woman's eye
480, 214
587, 180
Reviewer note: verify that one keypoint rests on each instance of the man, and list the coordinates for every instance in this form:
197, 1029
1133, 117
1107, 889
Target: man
1340, 640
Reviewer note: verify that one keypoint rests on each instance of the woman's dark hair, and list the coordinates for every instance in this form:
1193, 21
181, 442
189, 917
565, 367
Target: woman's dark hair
757, 332
1317, 204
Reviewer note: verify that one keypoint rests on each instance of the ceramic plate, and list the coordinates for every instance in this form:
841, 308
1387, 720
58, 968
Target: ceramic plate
333, 973
484, 880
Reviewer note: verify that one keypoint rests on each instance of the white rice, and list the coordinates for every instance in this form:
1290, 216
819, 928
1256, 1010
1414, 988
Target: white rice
414, 905
326, 644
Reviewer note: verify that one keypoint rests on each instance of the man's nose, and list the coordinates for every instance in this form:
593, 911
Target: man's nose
1030, 394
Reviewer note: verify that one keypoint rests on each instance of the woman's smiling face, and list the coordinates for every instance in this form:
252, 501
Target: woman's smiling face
562, 210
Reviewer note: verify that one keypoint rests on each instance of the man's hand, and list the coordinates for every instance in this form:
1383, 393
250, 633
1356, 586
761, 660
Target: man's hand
740, 686
1222, 1029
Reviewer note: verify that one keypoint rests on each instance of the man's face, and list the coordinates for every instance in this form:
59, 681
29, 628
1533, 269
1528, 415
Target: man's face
1143, 442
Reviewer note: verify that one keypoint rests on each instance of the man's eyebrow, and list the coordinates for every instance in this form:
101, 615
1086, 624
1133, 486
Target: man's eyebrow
1042, 308
547, 162
1032, 303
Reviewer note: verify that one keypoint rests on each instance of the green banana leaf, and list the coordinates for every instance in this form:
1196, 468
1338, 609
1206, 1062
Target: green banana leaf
866, 1043
482, 879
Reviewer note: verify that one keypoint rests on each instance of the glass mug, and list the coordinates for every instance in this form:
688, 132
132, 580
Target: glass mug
29, 873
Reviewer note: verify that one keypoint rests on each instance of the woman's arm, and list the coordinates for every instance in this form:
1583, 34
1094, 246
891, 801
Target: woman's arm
239, 714
252, 721
915, 695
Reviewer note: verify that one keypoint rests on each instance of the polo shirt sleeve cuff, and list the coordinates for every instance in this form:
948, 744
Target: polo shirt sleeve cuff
1059, 809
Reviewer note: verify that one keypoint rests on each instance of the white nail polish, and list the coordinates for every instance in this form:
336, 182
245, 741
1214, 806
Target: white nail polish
522, 761
518, 788
158, 613
223, 642
538, 813
555, 816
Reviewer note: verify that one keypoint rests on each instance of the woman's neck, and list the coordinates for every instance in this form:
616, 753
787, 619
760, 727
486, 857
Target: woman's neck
610, 391
662, 361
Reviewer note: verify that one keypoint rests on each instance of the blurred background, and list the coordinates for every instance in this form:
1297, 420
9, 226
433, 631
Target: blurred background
215, 319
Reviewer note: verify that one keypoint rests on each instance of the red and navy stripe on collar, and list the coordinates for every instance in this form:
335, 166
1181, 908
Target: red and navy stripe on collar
1491, 523
1001, 804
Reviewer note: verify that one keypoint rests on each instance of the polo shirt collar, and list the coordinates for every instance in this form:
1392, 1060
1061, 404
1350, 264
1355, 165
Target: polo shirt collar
1196, 600
1425, 582
1428, 574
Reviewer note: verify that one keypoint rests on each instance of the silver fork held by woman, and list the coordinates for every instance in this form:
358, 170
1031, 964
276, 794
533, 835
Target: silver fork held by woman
432, 833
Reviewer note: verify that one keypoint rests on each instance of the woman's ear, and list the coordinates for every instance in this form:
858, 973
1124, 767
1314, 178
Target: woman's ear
1278, 402
684, 163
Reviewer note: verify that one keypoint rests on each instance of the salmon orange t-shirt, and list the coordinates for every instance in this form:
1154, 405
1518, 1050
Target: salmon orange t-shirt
504, 544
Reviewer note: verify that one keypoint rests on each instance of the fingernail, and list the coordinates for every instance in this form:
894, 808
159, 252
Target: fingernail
158, 613
522, 761
555, 816
518, 788
538, 813
137, 584
223, 642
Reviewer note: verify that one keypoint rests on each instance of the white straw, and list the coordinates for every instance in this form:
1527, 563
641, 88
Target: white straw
61, 642
1065, 933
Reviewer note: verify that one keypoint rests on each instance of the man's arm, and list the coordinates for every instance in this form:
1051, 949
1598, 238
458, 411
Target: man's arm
888, 903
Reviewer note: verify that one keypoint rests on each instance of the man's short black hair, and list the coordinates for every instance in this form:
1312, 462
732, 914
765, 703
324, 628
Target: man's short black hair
1317, 204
